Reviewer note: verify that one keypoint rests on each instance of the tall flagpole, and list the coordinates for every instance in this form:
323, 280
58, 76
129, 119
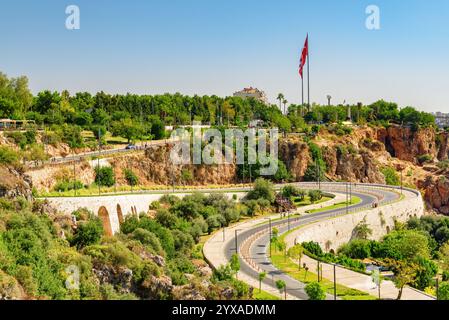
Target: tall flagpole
308, 74
302, 93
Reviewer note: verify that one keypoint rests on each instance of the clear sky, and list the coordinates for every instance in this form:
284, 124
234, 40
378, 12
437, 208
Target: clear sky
221, 46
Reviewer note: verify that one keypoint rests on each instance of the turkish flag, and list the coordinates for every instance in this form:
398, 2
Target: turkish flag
304, 55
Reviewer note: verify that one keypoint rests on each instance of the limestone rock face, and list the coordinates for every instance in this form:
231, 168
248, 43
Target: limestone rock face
155, 288
436, 190
357, 167
407, 144
10, 289
443, 143
295, 155
120, 278
14, 184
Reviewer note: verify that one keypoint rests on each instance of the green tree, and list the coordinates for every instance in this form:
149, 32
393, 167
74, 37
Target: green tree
235, 264
315, 291
362, 230
104, 176
127, 129
296, 252
282, 286
262, 189
131, 177
158, 129
262, 276
404, 273
443, 291
315, 195
88, 233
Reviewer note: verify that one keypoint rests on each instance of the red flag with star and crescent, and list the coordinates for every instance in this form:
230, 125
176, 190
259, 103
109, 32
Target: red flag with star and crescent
304, 55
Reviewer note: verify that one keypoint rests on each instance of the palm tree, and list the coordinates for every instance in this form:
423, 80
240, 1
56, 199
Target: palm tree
280, 98
285, 104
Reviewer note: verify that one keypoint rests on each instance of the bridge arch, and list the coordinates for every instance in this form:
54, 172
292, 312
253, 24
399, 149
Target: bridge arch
103, 214
119, 214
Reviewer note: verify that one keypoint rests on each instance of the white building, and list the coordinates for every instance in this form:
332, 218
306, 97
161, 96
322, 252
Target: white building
441, 119
252, 93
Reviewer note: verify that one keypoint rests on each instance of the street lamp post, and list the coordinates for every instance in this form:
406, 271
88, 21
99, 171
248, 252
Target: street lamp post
335, 281
270, 234
347, 198
288, 220
236, 242
318, 269
437, 287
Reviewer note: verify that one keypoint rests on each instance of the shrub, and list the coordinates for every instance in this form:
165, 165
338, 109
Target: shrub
313, 247
8, 156
104, 176
131, 177
68, 185
88, 233
147, 238
356, 249
263, 189
424, 158
315, 291
391, 177
443, 291
315, 195
18, 138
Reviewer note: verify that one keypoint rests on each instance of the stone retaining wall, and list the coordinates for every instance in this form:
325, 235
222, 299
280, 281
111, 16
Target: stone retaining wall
334, 232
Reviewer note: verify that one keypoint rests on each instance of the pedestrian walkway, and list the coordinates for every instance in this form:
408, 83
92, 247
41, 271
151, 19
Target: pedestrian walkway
362, 282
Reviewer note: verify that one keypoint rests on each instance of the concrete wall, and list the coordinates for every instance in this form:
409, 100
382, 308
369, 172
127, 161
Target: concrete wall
334, 232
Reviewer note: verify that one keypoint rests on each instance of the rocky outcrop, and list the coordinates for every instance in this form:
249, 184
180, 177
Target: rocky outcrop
443, 146
407, 144
119, 278
14, 184
10, 289
436, 192
155, 168
295, 155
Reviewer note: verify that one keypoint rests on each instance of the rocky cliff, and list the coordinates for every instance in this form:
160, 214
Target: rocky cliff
14, 183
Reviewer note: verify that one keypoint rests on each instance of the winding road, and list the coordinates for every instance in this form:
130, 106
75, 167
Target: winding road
253, 240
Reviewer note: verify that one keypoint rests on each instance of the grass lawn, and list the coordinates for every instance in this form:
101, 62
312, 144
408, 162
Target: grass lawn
354, 200
306, 201
291, 268
263, 295
92, 190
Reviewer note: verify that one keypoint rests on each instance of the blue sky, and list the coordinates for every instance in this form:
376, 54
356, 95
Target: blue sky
218, 47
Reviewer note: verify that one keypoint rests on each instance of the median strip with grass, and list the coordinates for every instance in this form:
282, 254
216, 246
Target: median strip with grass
354, 200
286, 265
